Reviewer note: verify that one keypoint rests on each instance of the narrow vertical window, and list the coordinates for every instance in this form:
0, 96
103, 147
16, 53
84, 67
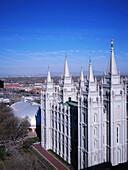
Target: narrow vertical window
56, 143
95, 158
83, 143
118, 112
63, 118
56, 115
59, 127
67, 130
59, 147
94, 131
52, 142
83, 117
67, 151
95, 118
83, 130
118, 134
63, 128
52, 114
63, 149
95, 144
67, 119
83, 159
67, 141
55, 134
118, 156
53, 123
59, 116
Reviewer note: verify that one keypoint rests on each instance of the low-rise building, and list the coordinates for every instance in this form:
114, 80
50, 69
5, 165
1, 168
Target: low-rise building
27, 108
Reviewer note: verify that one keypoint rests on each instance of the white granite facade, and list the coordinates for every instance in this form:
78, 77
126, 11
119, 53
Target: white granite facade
101, 117
55, 117
115, 94
91, 124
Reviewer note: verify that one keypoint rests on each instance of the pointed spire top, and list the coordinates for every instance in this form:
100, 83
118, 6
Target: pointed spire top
112, 69
90, 73
66, 70
111, 43
49, 76
89, 62
82, 75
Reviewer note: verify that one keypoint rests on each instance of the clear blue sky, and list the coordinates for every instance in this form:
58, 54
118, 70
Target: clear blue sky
38, 33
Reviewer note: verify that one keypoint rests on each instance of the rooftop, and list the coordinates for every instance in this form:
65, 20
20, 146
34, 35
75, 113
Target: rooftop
69, 103
26, 108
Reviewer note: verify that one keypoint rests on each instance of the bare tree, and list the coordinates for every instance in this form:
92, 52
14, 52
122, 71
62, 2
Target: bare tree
5, 113
23, 162
14, 127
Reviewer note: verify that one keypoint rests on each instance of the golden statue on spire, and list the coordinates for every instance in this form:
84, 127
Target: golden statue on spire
111, 43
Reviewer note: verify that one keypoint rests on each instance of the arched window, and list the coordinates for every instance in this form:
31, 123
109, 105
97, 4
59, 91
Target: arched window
118, 112
95, 144
118, 134
69, 99
95, 131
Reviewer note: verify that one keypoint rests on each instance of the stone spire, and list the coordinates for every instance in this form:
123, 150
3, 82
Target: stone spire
66, 70
82, 75
49, 76
112, 69
90, 73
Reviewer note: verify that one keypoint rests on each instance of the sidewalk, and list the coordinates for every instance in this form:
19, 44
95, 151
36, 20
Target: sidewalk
49, 157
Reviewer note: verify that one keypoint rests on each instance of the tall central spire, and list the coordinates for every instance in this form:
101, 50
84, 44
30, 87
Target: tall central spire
49, 76
66, 70
112, 69
82, 75
90, 73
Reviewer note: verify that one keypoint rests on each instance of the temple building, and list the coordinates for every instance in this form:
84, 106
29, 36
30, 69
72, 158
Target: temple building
86, 124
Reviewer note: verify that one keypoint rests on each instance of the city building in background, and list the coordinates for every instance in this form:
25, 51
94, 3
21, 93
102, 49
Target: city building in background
11, 85
1, 84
